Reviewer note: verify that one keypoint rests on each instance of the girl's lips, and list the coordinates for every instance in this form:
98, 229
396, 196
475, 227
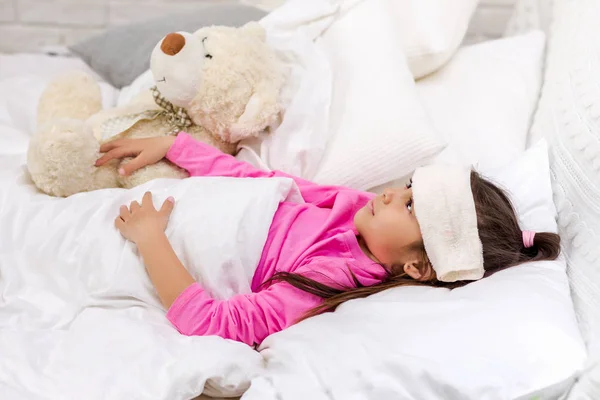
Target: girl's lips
371, 207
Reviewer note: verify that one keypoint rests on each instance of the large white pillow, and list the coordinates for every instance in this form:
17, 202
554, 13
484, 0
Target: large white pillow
430, 31
483, 100
297, 144
568, 116
512, 335
379, 130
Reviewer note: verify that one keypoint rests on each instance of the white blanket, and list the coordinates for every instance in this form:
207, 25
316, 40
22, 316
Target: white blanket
79, 317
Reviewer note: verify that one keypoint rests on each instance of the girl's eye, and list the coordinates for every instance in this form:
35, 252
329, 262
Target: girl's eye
409, 205
409, 184
208, 56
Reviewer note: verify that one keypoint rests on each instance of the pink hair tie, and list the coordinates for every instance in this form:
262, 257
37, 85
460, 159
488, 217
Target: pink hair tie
528, 238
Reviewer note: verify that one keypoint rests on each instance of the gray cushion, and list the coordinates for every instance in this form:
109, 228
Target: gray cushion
122, 53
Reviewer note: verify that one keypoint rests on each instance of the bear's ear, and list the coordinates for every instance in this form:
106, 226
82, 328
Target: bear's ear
255, 29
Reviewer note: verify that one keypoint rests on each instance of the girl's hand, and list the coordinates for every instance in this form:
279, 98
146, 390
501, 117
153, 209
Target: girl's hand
146, 152
139, 223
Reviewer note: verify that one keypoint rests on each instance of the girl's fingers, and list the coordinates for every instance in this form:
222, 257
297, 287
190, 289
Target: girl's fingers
147, 200
167, 207
119, 152
119, 223
134, 206
124, 213
133, 165
113, 145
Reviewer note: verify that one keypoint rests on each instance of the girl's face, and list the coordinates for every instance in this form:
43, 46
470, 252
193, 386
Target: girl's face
389, 229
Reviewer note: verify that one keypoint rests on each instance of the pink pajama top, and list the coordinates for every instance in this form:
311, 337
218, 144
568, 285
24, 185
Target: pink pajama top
316, 239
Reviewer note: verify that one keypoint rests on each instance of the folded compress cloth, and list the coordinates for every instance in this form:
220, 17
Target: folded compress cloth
445, 210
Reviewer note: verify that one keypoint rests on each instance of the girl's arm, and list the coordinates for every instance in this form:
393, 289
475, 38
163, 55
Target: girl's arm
145, 226
245, 318
201, 159
167, 273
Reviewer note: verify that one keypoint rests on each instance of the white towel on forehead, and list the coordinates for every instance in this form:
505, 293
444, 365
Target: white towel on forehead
445, 210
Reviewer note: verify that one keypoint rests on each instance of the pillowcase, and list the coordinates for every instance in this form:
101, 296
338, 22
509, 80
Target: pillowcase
482, 101
512, 335
568, 116
123, 53
378, 128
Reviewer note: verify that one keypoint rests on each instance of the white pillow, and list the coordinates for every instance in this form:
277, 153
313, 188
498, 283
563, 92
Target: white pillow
429, 31
379, 130
568, 116
510, 335
482, 101
296, 146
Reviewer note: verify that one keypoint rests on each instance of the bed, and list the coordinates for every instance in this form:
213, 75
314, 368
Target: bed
526, 116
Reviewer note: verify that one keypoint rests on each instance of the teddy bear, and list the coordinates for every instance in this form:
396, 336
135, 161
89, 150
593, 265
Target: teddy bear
220, 85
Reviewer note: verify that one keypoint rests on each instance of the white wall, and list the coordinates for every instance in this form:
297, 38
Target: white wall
31, 24
27, 25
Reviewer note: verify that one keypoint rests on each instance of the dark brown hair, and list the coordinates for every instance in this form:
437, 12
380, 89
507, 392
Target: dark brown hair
501, 238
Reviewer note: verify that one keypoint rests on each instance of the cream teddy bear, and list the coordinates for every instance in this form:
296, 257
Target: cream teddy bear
220, 85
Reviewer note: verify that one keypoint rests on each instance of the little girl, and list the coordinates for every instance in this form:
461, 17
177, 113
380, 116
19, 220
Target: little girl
447, 227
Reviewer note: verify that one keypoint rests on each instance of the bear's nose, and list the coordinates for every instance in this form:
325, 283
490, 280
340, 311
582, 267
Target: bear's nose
172, 44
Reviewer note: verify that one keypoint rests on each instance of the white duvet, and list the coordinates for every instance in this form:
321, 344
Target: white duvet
79, 317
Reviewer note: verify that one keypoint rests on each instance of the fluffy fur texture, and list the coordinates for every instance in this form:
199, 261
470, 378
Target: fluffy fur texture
253, 101
227, 79
445, 210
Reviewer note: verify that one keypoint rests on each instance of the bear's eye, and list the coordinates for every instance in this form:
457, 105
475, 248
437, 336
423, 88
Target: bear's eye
207, 55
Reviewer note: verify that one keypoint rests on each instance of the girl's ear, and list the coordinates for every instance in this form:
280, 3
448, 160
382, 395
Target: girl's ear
411, 269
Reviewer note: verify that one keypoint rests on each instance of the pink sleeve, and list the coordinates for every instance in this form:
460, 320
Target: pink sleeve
201, 159
245, 318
